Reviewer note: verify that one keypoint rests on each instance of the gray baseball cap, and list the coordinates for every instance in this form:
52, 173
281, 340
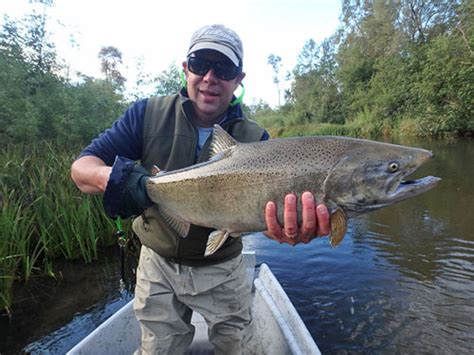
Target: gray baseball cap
218, 38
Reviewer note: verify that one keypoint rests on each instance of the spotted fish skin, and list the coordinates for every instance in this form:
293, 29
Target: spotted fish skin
229, 192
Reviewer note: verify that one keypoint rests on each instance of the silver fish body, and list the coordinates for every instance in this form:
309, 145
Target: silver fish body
229, 192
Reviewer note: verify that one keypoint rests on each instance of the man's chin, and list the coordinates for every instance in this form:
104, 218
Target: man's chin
209, 107
210, 113
210, 100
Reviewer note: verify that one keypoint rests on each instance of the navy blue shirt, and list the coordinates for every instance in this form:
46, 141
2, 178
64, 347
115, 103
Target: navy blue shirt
125, 137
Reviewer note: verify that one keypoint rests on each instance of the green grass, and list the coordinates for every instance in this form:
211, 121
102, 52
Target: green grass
44, 216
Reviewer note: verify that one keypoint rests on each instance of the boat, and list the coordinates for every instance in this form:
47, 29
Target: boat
278, 327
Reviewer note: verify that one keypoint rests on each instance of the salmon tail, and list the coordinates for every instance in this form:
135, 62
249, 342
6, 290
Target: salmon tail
338, 227
215, 241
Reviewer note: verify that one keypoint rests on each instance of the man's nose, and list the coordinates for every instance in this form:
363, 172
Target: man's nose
210, 76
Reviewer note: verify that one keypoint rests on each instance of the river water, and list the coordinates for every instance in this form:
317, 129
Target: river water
402, 281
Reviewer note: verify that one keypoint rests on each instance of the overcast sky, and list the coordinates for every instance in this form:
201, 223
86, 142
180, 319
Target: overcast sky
159, 32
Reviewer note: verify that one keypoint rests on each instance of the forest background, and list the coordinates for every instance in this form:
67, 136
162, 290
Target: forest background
402, 67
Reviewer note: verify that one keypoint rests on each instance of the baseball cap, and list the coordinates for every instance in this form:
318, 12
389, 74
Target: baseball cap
218, 38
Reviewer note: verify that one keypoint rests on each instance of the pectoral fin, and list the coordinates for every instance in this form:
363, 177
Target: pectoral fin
215, 241
338, 227
180, 226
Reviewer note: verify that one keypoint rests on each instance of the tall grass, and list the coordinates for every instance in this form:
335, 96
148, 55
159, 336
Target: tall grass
311, 129
44, 216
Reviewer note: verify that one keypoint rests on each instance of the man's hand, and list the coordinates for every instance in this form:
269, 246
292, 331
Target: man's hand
125, 194
315, 220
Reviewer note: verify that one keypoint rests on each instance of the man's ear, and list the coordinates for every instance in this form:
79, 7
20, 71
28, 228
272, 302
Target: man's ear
183, 75
240, 77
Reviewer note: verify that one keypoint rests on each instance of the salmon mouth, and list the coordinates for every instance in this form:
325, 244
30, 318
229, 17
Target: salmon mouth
410, 188
402, 187
401, 190
397, 189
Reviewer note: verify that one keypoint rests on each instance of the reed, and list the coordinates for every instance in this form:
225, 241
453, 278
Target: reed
15, 255
312, 129
44, 216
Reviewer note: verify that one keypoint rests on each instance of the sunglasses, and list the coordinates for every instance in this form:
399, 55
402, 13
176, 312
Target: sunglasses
224, 69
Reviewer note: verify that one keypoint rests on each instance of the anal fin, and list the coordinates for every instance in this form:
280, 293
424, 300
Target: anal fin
215, 241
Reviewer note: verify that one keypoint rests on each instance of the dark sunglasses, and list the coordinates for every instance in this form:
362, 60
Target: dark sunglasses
224, 69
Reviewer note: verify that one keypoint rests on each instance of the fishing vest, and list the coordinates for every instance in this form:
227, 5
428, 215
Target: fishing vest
170, 139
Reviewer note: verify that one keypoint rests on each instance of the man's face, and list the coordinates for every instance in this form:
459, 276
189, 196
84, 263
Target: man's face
210, 95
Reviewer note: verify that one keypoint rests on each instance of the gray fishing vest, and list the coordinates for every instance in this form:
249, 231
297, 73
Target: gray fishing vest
169, 142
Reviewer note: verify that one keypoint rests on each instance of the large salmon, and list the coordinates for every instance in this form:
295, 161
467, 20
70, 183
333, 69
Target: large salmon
229, 192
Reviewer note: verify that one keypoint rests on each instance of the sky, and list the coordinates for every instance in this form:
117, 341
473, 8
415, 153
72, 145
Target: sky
158, 32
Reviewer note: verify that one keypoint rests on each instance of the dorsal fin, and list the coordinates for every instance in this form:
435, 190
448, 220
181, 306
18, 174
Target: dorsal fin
221, 140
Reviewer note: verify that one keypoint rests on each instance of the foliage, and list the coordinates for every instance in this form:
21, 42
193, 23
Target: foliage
315, 92
275, 62
37, 103
446, 84
168, 82
110, 62
392, 67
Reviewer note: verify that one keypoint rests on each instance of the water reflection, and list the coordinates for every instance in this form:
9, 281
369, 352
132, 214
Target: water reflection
402, 280
63, 312
65, 337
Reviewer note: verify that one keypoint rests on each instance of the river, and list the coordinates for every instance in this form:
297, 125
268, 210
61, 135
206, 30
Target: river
402, 281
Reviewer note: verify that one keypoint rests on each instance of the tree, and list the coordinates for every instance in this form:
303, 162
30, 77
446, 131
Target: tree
37, 103
168, 82
143, 81
275, 62
28, 76
308, 58
110, 62
90, 107
422, 20
255, 108
315, 90
407, 59
28, 39
370, 39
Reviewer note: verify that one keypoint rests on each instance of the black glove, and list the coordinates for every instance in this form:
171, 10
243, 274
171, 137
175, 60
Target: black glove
125, 195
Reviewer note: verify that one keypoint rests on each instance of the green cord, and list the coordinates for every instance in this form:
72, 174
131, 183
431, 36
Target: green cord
122, 242
182, 76
118, 224
121, 237
239, 99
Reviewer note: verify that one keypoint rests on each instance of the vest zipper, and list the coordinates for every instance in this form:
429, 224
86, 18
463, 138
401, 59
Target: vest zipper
192, 161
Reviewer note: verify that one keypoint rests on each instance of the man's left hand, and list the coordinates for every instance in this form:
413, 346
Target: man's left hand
315, 220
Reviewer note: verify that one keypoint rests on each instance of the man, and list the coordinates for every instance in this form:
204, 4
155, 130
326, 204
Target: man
173, 132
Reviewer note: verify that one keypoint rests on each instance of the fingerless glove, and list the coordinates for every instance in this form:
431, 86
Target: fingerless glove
125, 194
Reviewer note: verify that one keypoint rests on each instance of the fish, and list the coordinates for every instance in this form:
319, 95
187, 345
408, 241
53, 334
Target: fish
228, 193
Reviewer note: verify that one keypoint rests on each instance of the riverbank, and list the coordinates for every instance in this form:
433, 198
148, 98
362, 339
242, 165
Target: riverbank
44, 216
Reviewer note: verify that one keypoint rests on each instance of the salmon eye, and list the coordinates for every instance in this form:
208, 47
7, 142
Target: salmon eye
393, 167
